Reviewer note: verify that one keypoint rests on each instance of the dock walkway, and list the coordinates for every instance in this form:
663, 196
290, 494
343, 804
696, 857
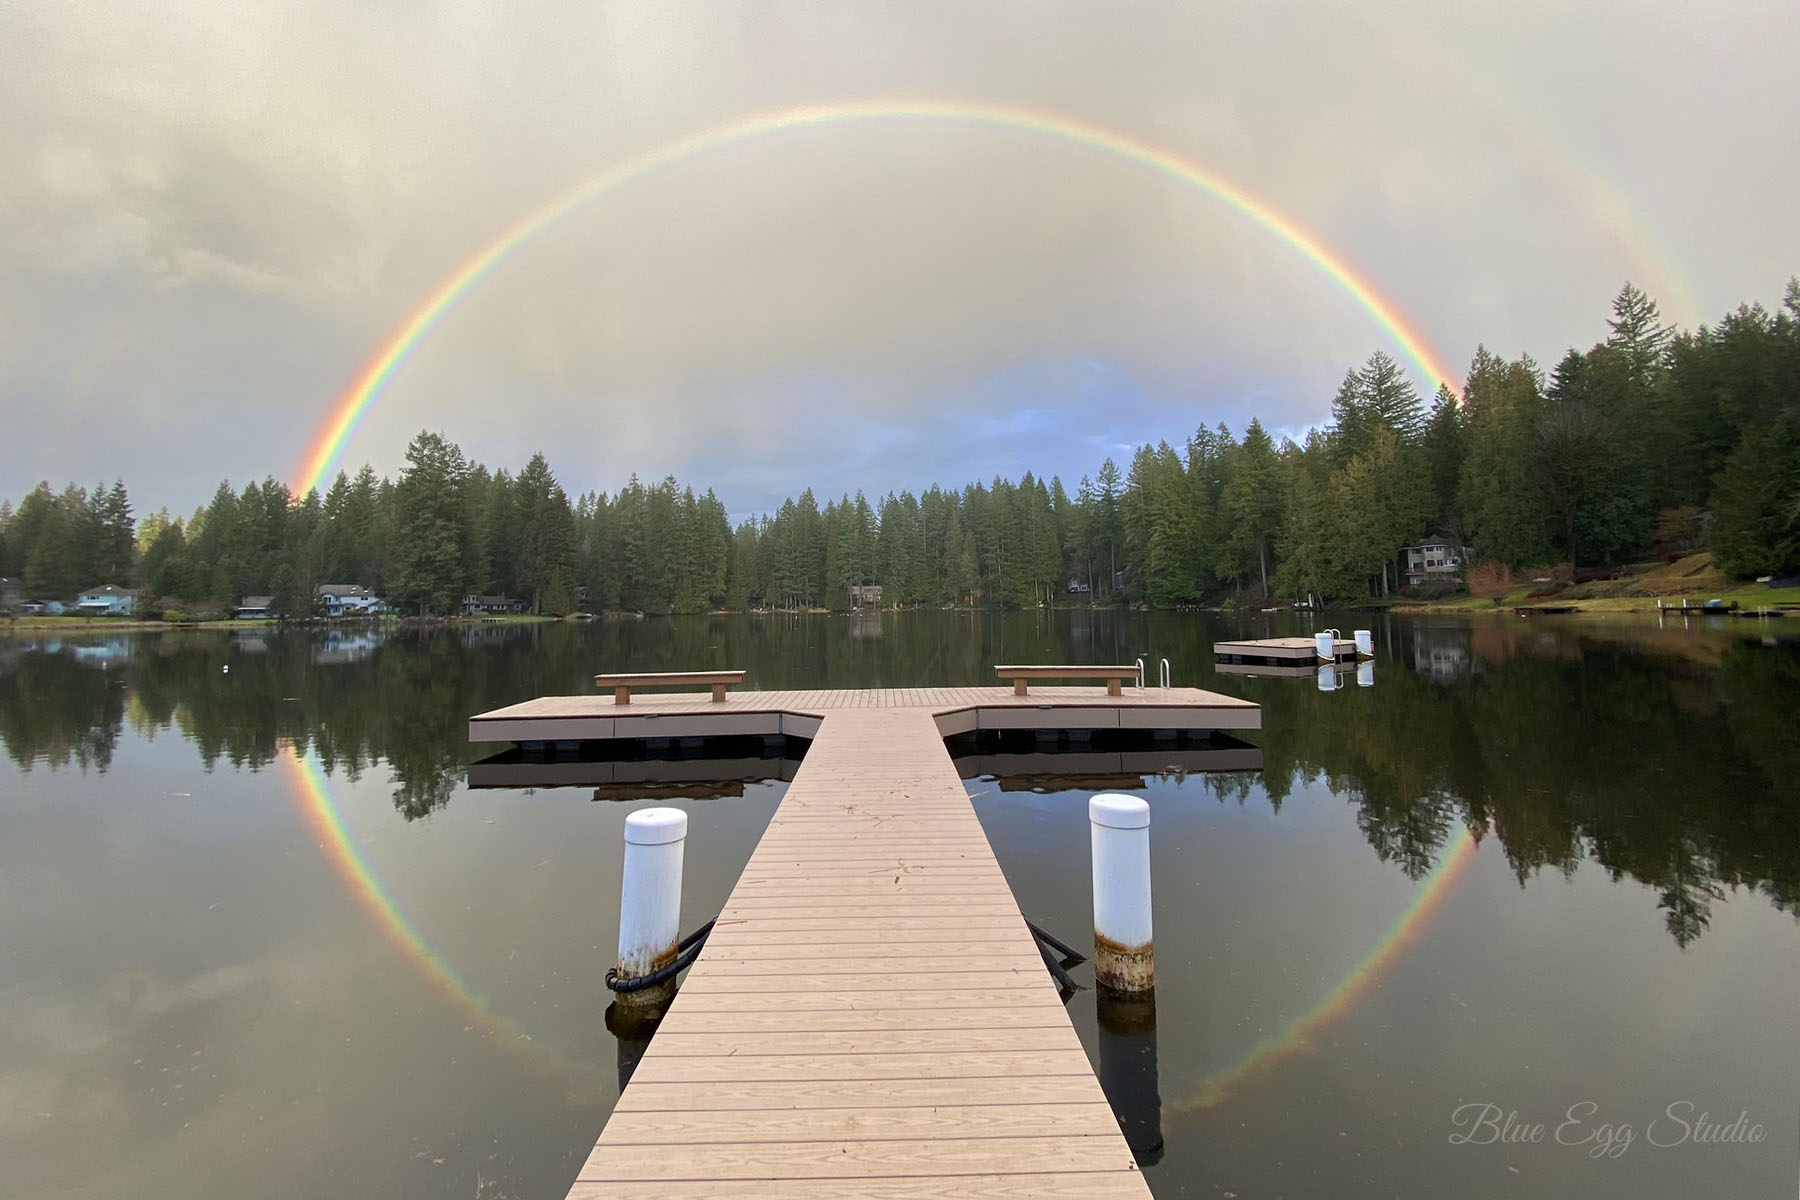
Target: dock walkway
870, 1016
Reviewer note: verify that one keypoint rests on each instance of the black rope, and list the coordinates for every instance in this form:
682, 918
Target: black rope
1057, 973
1070, 957
1058, 968
686, 951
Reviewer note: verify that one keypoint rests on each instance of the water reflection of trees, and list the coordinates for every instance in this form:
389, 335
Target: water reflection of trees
1664, 757
1673, 771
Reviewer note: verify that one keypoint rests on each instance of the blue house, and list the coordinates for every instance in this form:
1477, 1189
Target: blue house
106, 600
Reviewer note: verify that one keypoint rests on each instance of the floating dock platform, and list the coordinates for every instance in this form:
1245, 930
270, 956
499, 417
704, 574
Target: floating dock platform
870, 1015
1281, 652
1266, 670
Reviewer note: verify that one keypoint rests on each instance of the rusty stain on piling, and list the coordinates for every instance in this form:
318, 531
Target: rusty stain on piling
1124, 968
657, 994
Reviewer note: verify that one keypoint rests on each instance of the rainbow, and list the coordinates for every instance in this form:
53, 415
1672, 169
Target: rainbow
1298, 1033
312, 791
348, 411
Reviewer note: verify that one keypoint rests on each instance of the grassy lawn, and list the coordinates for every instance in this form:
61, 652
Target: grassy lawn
1752, 596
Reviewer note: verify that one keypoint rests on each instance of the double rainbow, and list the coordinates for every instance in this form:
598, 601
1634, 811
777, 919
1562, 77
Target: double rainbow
348, 411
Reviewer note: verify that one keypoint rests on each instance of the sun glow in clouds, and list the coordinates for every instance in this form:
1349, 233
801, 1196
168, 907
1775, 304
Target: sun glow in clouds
353, 404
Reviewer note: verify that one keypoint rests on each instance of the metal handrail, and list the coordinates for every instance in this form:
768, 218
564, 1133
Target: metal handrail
1165, 674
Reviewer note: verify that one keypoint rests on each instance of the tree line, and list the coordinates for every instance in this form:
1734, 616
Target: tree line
1654, 440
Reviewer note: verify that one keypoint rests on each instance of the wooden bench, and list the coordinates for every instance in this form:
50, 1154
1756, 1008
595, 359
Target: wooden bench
622, 684
1115, 676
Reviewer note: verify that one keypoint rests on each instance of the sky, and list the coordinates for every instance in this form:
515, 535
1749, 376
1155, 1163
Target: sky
212, 216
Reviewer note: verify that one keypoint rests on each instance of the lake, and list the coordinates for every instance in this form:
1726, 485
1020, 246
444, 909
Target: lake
1518, 917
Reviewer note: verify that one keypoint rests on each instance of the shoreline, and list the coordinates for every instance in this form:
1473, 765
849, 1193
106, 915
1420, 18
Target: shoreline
1752, 601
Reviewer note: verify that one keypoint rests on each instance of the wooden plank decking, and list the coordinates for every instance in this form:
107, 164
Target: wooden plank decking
1281, 650
798, 713
870, 1017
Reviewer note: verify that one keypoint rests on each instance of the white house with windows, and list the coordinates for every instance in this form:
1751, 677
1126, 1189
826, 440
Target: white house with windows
348, 600
1433, 561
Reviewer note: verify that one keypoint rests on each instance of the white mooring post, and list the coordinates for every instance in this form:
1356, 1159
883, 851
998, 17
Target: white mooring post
1124, 955
1325, 645
650, 900
1365, 644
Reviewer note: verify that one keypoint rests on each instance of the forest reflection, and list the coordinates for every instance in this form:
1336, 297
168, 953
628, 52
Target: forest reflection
1667, 756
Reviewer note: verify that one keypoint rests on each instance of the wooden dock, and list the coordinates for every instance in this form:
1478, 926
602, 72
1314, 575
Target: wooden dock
1284, 651
870, 1016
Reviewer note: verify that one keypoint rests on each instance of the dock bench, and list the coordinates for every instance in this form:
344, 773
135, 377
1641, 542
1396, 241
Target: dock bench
622, 684
1115, 676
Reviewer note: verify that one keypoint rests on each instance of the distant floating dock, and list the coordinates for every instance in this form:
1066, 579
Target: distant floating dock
1280, 652
870, 1015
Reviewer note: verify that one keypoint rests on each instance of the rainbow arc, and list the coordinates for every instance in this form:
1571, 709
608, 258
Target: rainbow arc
372, 381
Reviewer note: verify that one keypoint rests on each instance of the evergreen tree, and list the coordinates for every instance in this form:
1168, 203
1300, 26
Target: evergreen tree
1499, 496
288, 596
1251, 503
427, 566
1389, 397
1756, 505
1446, 447
547, 544
1638, 333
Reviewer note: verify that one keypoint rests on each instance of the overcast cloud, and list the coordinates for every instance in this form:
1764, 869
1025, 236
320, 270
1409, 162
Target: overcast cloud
212, 213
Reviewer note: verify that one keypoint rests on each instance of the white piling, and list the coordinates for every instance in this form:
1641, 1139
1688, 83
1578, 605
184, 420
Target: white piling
650, 900
1325, 645
1124, 954
1365, 644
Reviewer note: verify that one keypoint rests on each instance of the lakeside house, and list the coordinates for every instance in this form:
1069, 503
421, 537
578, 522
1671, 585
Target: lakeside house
348, 600
483, 606
1432, 561
253, 608
866, 595
107, 600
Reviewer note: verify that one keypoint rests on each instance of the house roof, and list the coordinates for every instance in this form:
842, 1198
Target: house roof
109, 589
342, 589
257, 602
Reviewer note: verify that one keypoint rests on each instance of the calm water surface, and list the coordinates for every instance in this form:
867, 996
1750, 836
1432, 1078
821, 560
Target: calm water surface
258, 936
